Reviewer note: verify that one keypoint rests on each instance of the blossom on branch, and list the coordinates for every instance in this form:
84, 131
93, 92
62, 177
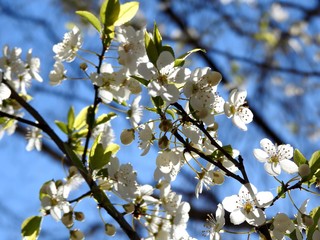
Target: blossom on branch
234, 108
247, 206
215, 224
275, 157
68, 48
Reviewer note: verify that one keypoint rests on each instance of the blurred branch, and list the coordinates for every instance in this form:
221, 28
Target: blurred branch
213, 65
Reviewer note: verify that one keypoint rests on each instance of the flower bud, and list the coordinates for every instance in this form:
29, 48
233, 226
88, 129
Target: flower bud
163, 142
304, 170
79, 216
217, 177
76, 235
109, 229
127, 136
165, 125
67, 219
83, 66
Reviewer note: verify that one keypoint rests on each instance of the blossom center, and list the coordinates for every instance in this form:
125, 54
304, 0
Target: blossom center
274, 159
247, 207
163, 80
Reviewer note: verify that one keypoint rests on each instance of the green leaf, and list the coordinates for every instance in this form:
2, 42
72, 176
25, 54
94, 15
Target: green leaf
314, 162
157, 38
141, 80
71, 118
171, 113
179, 62
62, 126
217, 155
127, 12
298, 157
109, 12
168, 49
90, 18
315, 214
98, 157
74, 158
113, 148
105, 118
151, 49
157, 102
31, 227
81, 118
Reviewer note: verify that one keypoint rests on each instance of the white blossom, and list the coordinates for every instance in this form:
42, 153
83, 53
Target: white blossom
245, 207
215, 224
275, 157
54, 199
234, 108
135, 112
146, 137
34, 136
57, 74
282, 225
163, 77
68, 48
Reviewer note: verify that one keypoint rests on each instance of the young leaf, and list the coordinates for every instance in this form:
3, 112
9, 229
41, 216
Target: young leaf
80, 120
62, 126
98, 158
127, 12
314, 162
113, 148
105, 118
179, 62
70, 118
298, 157
91, 18
31, 227
151, 49
157, 38
109, 12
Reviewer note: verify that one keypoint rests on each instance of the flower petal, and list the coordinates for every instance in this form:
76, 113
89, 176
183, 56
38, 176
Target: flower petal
256, 217
165, 62
264, 198
237, 217
230, 203
289, 166
272, 169
285, 152
261, 155
268, 147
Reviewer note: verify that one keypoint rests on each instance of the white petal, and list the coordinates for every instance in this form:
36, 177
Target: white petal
105, 96
272, 169
229, 203
268, 146
264, 198
285, 152
246, 115
261, 155
244, 192
289, 166
237, 217
171, 94
5, 92
239, 123
256, 217
55, 213
220, 214
239, 97
146, 70
165, 61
